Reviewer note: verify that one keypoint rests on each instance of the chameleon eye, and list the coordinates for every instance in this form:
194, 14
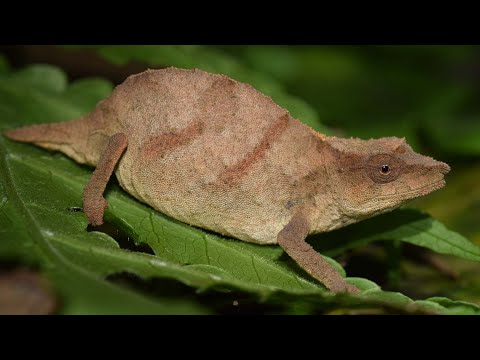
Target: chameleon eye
385, 169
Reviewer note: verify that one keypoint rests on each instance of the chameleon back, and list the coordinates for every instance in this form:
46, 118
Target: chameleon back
211, 151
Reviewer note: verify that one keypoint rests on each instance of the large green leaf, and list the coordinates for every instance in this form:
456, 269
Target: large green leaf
407, 225
38, 188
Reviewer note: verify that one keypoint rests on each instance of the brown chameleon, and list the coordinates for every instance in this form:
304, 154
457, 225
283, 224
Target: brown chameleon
216, 153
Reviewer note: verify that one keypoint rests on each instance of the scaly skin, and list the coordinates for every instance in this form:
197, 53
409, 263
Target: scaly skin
215, 153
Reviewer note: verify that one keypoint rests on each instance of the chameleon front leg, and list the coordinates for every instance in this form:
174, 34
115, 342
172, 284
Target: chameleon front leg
93, 202
292, 239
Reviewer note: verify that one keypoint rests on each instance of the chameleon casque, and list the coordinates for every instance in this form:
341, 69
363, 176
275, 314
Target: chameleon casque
216, 153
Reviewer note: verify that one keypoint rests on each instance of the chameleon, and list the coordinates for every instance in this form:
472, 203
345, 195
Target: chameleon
217, 154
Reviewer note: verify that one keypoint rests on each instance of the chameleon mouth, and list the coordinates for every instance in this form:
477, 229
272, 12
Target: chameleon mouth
379, 204
424, 190
428, 189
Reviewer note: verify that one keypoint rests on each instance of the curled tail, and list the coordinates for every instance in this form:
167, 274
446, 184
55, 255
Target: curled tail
69, 137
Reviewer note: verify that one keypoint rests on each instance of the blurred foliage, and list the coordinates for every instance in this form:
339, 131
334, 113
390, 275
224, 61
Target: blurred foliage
426, 94
374, 91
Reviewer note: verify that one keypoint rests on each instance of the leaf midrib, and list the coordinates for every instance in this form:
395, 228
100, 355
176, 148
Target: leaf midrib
304, 283
475, 255
34, 230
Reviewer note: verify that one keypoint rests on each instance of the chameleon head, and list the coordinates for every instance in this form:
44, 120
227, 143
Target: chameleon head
369, 177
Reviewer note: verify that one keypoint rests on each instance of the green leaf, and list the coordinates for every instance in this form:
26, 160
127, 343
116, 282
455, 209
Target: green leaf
456, 307
407, 225
39, 187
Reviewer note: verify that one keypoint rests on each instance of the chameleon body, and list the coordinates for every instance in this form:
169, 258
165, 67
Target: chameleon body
216, 153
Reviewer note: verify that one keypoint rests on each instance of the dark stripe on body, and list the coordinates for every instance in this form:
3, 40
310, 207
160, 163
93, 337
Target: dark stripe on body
234, 173
160, 145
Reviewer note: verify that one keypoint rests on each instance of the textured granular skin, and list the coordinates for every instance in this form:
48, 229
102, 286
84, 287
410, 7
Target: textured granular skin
216, 153
219, 158
204, 149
